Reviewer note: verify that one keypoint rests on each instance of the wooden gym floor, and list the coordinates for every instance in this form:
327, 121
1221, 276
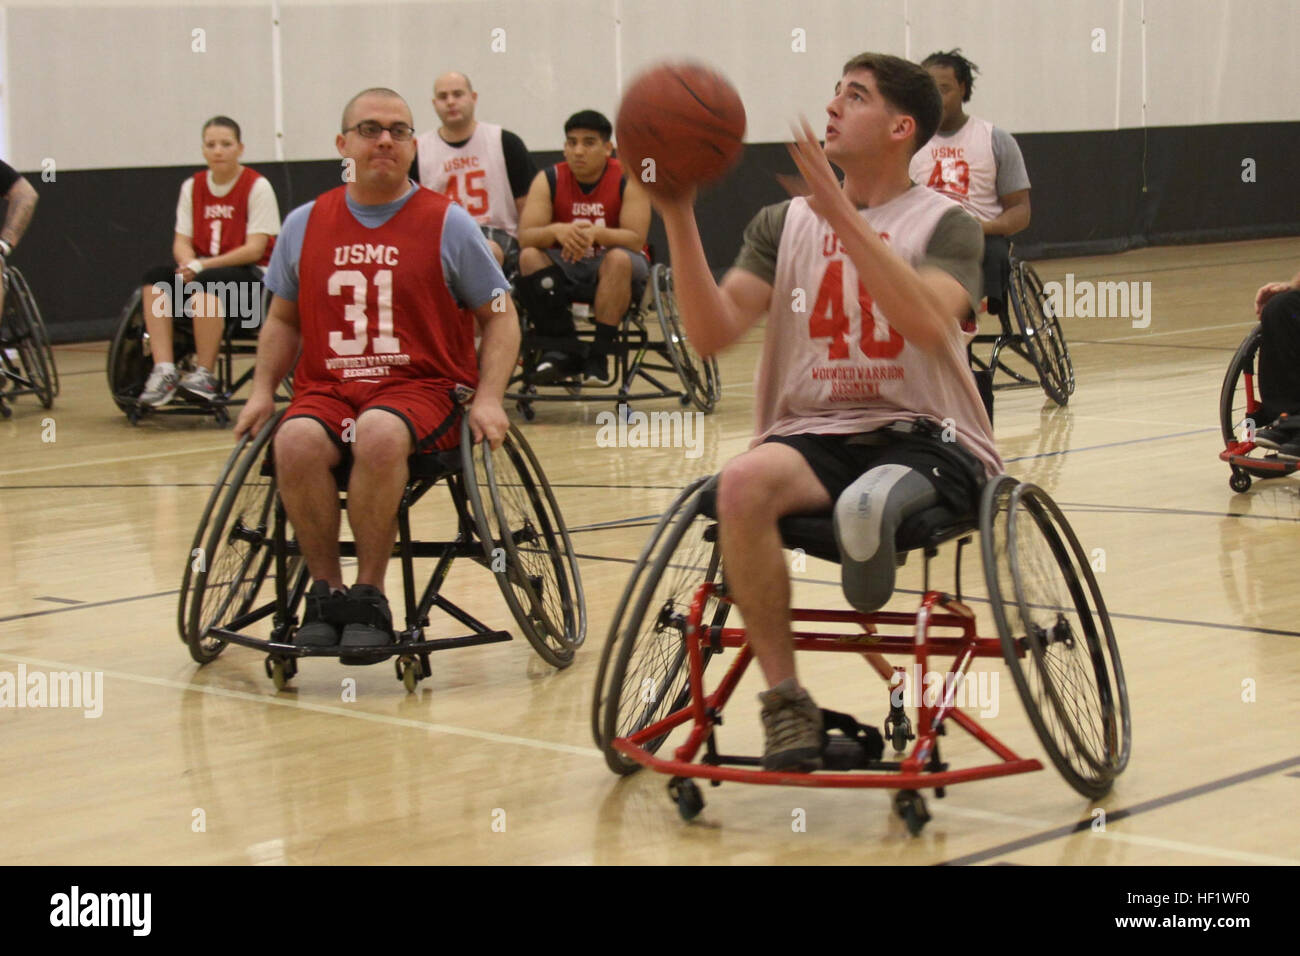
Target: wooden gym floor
212, 765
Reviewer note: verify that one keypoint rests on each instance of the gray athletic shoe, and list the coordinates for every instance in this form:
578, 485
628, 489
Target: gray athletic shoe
159, 389
792, 728
201, 385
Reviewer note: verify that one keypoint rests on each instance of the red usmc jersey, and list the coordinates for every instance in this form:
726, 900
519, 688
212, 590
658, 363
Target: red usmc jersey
599, 206
221, 222
374, 303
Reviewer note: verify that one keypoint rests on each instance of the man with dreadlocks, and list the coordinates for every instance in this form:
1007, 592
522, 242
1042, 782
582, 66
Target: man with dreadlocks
980, 166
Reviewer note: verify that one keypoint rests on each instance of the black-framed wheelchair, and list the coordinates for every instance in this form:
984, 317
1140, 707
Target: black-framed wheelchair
505, 519
1037, 338
642, 358
1239, 404
672, 626
130, 360
26, 360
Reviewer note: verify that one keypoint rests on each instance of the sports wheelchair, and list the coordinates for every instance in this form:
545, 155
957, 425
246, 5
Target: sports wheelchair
1053, 632
1238, 403
130, 361
506, 519
638, 355
26, 359
1039, 339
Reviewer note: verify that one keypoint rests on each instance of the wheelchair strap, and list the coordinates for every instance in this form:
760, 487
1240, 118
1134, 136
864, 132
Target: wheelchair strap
866, 736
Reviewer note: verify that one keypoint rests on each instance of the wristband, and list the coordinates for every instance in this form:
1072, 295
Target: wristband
195, 266
6, 250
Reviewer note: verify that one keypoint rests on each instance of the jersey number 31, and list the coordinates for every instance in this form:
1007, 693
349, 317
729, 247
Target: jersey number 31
355, 312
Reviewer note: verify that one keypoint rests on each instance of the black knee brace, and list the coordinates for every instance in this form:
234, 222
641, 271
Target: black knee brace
542, 294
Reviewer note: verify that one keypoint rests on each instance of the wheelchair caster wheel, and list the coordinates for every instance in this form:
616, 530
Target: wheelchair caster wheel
221, 416
687, 796
1239, 482
526, 409
902, 733
133, 416
281, 670
910, 805
410, 673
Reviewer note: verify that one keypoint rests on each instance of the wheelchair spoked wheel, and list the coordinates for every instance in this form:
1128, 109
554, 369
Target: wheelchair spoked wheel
237, 554
629, 592
1041, 331
650, 675
130, 359
18, 285
1056, 635
541, 582
21, 335
699, 375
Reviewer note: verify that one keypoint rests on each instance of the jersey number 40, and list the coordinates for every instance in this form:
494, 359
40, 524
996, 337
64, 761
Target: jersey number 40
830, 319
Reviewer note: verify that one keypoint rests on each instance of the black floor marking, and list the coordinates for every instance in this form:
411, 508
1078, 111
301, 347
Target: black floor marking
58, 600
1156, 345
1113, 444
82, 607
1154, 804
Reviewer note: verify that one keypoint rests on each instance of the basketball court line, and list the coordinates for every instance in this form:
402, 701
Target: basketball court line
1153, 345
295, 704
1152, 335
568, 749
1223, 264
227, 445
1113, 444
1153, 804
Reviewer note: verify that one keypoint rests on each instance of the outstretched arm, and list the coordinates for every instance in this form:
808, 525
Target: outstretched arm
22, 204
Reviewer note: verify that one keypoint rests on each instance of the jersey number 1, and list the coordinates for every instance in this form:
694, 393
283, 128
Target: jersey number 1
355, 312
829, 319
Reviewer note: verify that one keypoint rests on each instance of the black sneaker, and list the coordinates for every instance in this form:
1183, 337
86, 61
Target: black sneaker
1285, 429
553, 367
596, 370
370, 622
319, 621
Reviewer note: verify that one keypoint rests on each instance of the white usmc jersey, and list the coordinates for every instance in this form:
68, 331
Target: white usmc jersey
832, 363
473, 175
962, 167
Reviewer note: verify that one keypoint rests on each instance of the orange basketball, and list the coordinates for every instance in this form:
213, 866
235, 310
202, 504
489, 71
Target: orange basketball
679, 125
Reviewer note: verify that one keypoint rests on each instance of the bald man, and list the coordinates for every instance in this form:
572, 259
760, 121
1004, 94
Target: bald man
377, 287
483, 167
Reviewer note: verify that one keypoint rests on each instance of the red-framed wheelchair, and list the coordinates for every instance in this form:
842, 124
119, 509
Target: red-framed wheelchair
504, 518
1238, 403
671, 630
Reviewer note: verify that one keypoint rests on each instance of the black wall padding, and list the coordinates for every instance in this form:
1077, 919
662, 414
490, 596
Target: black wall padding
96, 231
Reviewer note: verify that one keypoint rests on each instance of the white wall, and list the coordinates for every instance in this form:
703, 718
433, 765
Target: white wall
109, 83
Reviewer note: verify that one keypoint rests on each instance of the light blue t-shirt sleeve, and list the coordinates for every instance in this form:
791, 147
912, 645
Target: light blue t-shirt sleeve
472, 273
282, 271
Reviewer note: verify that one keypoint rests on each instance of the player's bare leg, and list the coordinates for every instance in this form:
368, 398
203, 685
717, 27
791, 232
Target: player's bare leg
613, 287
158, 322
379, 475
304, 455
209, 323
755, 490
497, 253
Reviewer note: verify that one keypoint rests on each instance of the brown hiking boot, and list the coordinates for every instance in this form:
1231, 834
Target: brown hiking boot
792, 728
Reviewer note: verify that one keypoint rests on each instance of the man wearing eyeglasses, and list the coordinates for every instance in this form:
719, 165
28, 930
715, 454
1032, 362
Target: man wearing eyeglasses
483, 167
379, 282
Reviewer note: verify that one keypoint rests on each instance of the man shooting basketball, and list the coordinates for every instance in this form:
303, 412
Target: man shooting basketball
380, 282
888, 271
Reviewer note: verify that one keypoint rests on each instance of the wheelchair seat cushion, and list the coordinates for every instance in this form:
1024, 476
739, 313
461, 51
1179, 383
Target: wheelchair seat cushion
815, 534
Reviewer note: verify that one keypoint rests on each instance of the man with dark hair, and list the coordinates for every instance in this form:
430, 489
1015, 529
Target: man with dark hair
379, 282
22, 198
582, 231
977, 164
483, 167
852, 386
